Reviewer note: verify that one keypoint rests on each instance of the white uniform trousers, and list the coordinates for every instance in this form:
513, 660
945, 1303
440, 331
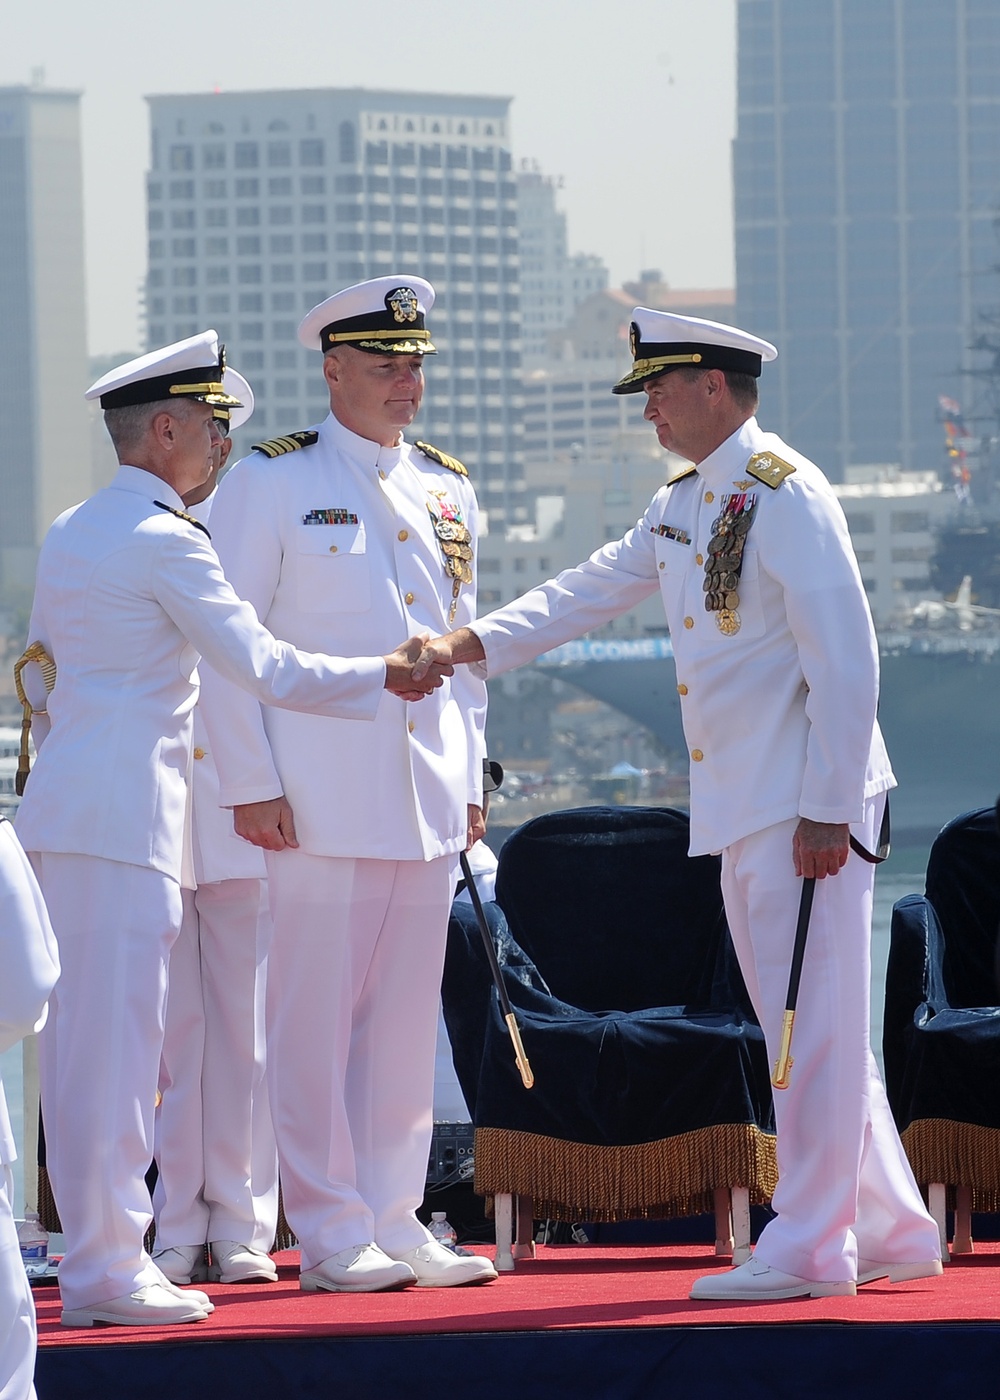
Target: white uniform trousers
845, 1187
214, 1143
99, 1057
354, 979
17, 1310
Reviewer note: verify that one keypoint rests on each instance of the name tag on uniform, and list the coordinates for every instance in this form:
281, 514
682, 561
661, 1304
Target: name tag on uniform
330, 515
671, 532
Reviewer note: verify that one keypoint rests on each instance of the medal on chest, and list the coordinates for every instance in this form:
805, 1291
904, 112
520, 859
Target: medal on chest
724, 560
455, 540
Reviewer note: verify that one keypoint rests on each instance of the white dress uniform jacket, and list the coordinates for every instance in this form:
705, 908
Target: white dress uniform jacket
397, 789
127, 597
779, 717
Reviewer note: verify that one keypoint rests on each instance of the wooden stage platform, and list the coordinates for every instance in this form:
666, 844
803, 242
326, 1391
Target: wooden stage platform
599, 1321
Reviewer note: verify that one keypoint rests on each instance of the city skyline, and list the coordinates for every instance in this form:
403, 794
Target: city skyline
582, 87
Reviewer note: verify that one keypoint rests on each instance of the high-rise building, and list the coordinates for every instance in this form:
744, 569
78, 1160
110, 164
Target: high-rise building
260, 204
867, 180
45, 460
553, 282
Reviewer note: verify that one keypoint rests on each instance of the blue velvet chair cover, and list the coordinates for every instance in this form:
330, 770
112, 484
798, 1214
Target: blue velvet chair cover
941, 1032
651, 1077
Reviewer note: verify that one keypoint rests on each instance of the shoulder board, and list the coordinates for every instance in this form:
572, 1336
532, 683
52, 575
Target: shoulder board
183, 515
679, 476
442, 458
291, 442
769, 469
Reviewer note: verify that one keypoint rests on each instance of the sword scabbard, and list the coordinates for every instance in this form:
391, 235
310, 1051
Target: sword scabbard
783, 1065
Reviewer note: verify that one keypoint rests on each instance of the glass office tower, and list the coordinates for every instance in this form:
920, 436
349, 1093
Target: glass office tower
260, 204
867, 183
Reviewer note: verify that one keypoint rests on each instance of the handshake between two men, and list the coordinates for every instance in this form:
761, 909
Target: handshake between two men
420, 664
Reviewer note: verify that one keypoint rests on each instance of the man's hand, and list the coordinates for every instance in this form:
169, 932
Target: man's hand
399, 665
451, 650
820, 848
477, 826
267, 824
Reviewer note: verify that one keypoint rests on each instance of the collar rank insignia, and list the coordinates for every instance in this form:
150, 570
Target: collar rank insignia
768, 468
291, 442
183, 515
679, 476
442, 458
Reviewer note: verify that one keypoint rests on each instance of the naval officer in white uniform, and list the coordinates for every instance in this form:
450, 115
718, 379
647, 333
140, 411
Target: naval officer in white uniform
29, 966
217, 1182
777, 666
129, 592
339, 536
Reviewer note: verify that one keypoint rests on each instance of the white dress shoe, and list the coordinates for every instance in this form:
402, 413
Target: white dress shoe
756, 1280
184, 1263
153, 1305
362, 1268
869, 1270
233, 1262
193, 1295
438, 1267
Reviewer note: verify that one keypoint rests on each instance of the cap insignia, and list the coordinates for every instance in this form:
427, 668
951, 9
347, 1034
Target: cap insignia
402, 302
633, 340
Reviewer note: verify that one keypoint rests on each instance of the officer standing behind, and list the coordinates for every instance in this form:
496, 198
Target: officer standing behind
340, 535
777, 666
128, 592
217, 1182
29, 966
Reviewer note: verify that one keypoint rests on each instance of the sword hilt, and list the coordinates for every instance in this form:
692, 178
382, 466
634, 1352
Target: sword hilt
781, 1077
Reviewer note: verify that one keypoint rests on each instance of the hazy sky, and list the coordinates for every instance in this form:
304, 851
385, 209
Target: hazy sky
633, 104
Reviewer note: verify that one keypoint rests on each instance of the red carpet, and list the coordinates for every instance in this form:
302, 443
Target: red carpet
566, 1287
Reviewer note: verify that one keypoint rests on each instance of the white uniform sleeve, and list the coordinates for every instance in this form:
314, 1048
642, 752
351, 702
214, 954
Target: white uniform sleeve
191, 587
29, 957
610, 582
804, 544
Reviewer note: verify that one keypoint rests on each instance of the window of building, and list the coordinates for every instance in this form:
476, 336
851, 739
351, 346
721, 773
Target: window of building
250, 301
280, 214
377, 152
248, 246
184, 277
185, 306
378, 184
247, 216
281, 243
314, 271
216, 247
346, 144
484, 157
284, 359
155, 278
282, 272
909, 522
282, 301
246, 155
281, 185
404, 153
217, 302
313, 184
181, 157
247, 188
346, 272
155, 191
381, 242
182, 247
154, 218
217, 276
279, 153
157, 333
213, 156
350, 241
286, 388
252, 359
314, 213
406, 185
216, 218
311, 151
348, 184
861, 524
182, 218
284, 330
158, 306
252, 330
314, 243
182, 189
249, 274
457, 157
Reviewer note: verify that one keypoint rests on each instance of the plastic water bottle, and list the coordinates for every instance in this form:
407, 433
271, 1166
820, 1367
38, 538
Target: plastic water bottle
442, 1230
34, 1241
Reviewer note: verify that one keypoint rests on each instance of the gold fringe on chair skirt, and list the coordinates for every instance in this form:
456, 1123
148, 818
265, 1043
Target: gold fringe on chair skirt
957, 1154
645, 1181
